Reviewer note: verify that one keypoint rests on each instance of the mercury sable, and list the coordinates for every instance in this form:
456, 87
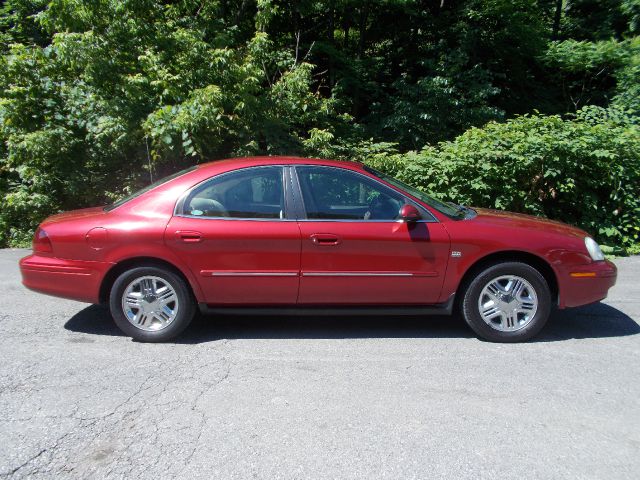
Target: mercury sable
293, 235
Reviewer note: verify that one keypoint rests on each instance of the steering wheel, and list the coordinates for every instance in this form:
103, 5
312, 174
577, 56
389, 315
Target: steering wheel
382, 208
207, 207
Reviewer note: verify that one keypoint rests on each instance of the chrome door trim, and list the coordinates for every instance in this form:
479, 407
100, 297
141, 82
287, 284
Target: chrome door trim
323, 220
356, 274
209, 273
242, 219
342, 220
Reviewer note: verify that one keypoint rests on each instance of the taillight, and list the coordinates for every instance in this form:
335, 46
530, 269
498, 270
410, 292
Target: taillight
41, 242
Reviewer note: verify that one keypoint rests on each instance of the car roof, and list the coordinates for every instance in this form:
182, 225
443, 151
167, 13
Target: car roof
240, 162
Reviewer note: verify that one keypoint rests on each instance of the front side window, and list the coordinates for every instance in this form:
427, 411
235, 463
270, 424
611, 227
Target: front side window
248, 193
335, 193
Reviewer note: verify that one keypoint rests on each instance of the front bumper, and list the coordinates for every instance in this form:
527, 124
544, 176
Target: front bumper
584, 284
73, 279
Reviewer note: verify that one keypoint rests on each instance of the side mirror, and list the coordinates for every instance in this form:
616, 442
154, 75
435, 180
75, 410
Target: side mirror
409, 213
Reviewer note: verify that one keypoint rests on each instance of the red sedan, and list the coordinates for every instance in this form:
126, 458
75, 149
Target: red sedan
295, 235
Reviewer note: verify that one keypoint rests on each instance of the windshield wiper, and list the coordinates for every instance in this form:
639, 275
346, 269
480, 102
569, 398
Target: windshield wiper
461, 208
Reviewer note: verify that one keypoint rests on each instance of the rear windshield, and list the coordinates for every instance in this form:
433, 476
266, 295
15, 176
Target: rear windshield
124, 200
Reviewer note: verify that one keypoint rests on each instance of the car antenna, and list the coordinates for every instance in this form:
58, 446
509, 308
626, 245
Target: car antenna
146, 142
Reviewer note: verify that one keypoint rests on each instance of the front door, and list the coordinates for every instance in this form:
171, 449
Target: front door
355, 251
233, 233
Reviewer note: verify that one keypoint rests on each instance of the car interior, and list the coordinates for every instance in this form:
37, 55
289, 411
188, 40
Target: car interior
239, 196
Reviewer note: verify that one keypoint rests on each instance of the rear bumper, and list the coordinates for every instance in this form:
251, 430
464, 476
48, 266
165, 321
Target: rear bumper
584, 284
73, 279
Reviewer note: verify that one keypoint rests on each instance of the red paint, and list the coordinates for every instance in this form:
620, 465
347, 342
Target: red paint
284, 262
409, 213
241, 247
379, 249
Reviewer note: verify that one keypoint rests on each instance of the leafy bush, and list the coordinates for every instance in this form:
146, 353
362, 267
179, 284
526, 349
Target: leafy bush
584, 171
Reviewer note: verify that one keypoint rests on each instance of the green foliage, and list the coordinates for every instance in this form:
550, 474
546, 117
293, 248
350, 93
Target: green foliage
18, 22
125, 91
573, 56
596, 19
437, 106
584, 171
631, 8
627, 96
100, 97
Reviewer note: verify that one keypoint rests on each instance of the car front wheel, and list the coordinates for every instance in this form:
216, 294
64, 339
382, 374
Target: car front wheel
151, 304
507, 302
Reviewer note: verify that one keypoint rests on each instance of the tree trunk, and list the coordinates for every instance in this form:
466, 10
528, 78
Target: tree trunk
332, 26
556, 20
364, 16
362, 26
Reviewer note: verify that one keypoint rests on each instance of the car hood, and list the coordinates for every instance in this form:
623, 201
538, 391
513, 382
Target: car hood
75, 215
520, 220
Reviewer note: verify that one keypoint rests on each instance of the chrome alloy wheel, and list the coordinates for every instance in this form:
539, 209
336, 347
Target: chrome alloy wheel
150, 303
508, 303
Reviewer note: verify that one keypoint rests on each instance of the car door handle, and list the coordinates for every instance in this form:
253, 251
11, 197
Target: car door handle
189, 236
325, 239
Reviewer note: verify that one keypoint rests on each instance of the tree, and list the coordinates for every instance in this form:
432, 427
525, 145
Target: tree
98, 98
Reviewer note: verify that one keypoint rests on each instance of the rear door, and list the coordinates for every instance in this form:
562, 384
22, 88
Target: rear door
355, 250
235, 234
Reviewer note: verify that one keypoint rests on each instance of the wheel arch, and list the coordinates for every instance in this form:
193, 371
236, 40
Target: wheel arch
126, 264
535, 261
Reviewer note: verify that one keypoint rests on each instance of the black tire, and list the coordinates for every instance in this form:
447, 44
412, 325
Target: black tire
471, 296
183, 317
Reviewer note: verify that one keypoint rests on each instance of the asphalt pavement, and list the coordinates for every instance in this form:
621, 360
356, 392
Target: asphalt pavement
314, 398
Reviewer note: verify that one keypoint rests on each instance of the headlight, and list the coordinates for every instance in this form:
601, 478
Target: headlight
593, 248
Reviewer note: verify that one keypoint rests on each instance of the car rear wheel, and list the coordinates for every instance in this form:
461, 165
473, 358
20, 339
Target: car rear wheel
151, 304
507, 302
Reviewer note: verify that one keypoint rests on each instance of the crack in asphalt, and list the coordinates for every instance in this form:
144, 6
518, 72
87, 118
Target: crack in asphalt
203, 419
155, 384
56, 445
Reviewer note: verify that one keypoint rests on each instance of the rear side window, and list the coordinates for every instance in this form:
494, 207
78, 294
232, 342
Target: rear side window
248, 193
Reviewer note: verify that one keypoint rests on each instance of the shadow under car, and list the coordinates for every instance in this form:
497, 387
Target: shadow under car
597, 320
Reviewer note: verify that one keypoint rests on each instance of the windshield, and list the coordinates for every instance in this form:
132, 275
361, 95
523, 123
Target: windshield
124, 200
442, 207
